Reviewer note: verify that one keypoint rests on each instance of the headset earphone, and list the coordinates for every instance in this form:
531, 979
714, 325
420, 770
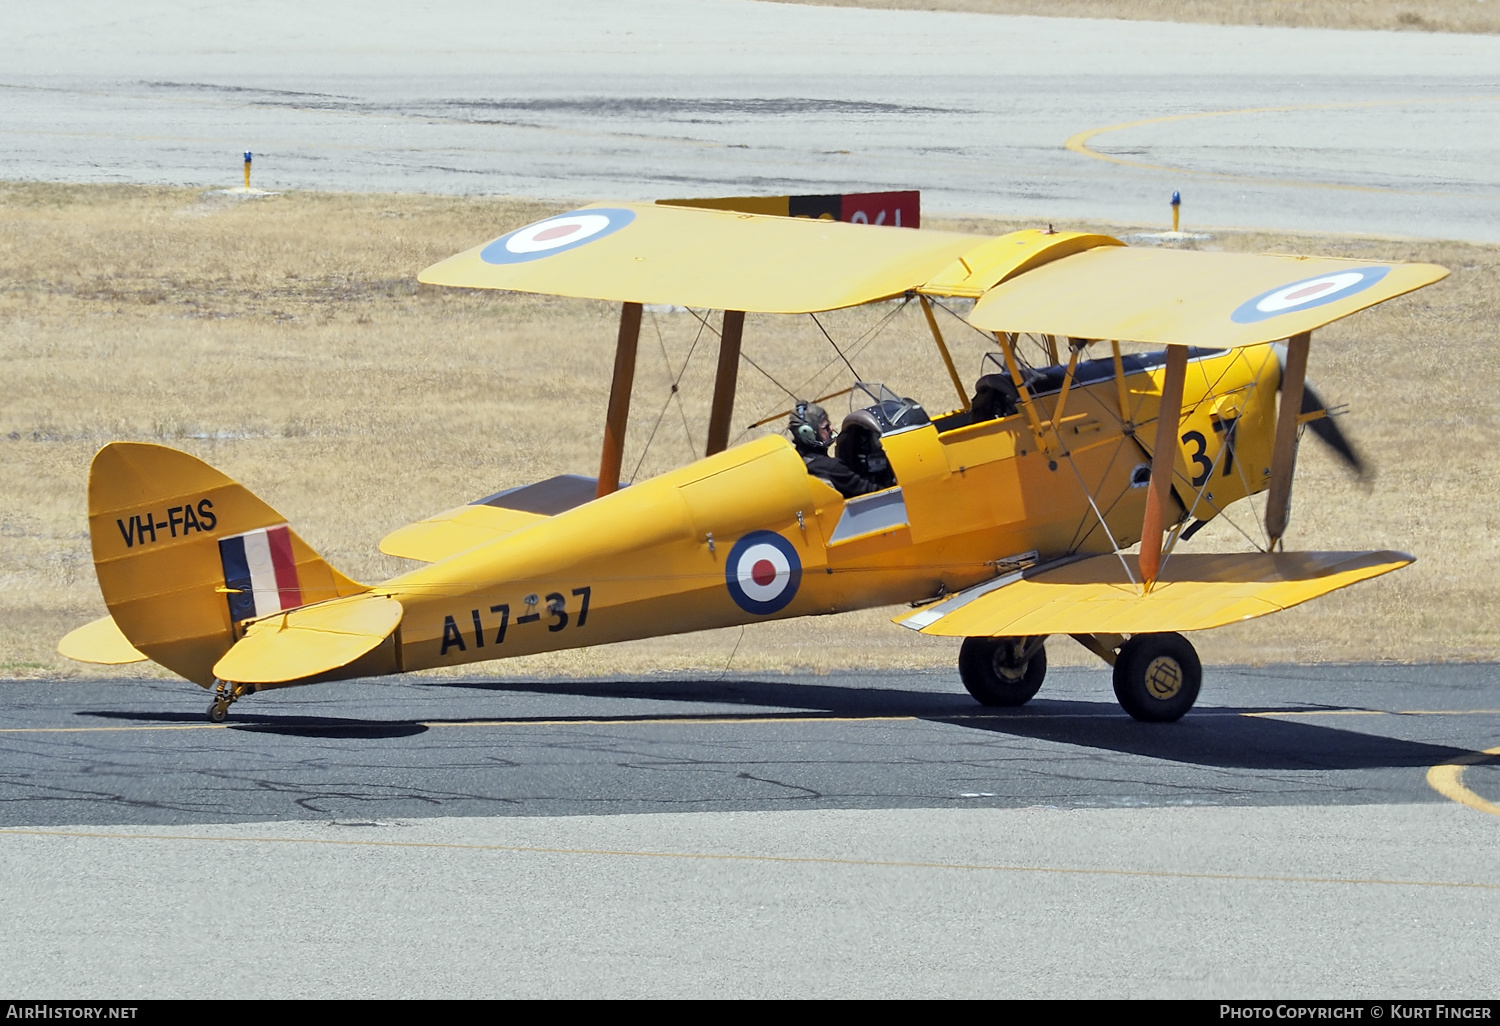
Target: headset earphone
804, 432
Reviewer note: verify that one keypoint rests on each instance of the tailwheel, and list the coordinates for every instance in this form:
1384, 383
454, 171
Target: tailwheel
1003, 671
1157, 677
225, 695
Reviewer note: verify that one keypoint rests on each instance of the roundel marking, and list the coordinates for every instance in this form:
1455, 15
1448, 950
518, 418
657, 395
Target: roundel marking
1307, 293
763, 573
555, 235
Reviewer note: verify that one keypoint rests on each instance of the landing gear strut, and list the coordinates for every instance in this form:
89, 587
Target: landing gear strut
225, 695
1003, 671
1157, 677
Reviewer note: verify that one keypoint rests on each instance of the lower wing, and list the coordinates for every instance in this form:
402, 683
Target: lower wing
1195, 591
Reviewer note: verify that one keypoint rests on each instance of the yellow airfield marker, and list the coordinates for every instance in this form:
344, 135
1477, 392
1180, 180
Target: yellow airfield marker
244, 191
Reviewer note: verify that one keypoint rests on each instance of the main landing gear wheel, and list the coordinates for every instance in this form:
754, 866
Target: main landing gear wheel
1157, 677
1002, 671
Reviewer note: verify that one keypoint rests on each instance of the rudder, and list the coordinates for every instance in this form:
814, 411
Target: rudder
186, 555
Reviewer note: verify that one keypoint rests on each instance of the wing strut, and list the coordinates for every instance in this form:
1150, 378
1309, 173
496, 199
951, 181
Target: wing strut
1007, 346
725, 380
1284, 455
619, 399
1159, 491
937, 336
1121, 388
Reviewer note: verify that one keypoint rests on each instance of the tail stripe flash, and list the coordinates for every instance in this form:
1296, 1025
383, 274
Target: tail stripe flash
260, 572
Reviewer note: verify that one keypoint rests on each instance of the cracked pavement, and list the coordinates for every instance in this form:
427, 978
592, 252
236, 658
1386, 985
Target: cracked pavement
86, 753
841, 835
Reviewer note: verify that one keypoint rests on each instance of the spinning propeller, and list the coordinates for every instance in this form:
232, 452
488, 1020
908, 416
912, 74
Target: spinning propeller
1326, 428
1297, 395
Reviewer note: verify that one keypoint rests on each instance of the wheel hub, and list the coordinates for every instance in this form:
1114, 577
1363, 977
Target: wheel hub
1163, 677
1008, 664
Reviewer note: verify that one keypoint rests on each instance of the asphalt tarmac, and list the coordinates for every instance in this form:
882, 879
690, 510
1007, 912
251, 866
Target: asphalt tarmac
139, 752
1381, 132
1328, 831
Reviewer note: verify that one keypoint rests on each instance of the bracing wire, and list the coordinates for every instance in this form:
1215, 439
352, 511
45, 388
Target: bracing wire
865, 339
767, 373
835, 345
675, 391
649, 438
869, 336
702, 320
937, 302
1088, 494
732, 653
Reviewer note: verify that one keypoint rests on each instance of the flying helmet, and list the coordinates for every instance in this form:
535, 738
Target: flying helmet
803, 425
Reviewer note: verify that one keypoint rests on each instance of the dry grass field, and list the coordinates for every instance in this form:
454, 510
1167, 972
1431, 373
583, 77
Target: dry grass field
285, 341
1398, 15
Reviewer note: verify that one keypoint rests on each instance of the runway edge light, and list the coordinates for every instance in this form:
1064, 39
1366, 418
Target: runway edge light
1176, 196
247, 170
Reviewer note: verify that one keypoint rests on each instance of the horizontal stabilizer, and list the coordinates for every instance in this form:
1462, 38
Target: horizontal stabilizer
100, 642
1194, 592
484, 520
311, 640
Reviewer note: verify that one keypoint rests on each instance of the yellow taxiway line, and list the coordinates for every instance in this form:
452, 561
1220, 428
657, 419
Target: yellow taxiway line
1079, 144
1447, 780
1371, 712
773, 859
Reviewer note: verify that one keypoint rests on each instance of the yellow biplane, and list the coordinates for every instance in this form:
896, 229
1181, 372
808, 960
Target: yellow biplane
1009, 519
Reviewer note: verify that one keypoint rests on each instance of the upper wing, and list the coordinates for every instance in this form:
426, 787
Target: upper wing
1179, 297
1053, 283
721, 260
1195, 591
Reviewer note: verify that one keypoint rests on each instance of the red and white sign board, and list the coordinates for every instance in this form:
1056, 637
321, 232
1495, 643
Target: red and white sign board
897, 209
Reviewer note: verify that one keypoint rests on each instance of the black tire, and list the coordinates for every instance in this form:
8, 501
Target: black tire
1157, 677
991, 671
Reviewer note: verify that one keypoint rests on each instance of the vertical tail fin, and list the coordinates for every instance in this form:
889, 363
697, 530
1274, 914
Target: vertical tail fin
185, 555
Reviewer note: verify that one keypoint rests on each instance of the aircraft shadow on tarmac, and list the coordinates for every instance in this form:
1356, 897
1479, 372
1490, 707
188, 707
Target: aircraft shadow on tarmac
1218, 736
296, 726
1215, 736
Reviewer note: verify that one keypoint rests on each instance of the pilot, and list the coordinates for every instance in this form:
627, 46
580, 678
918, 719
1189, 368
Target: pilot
812, 434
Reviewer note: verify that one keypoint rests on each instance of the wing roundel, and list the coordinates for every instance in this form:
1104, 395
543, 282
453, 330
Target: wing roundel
714, 259
1181, 297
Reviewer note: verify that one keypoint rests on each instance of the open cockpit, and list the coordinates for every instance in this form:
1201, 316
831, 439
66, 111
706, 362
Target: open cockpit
997, 396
